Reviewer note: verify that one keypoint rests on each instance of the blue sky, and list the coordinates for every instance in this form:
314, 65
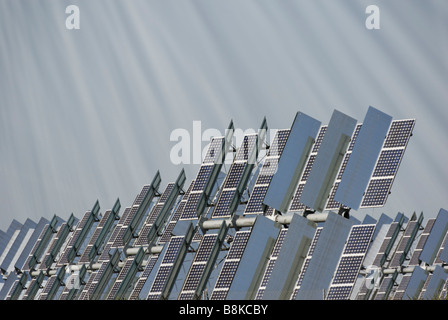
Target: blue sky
87, 114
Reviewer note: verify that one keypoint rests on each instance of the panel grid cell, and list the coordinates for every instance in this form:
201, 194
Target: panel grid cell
278, 143
234, 175
214, 150
348, 269
377, 192
223, 204
202, 177
399, 133
246, 148
388, 162
255, 203
359, 239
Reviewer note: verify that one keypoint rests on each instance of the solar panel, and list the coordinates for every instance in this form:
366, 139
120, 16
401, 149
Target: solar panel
247, 150
399, 133
411, 285
201, 267
214, 151
435, 238
269, 167
386, 286
143, 277
230, 265
272, 260
292, 162
98, 280
361, 162
406, 241
237, 178
331, 151
388, 162
171, 262
126, 276
351, 261
415, 259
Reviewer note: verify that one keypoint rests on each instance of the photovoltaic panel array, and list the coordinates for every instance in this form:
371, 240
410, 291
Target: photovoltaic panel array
143, 277
268, 169
230, 265
155, 211
206, 177
166, 236
350, 262
99, 236
113, 241
237, 178
306, 262
388, 162
79, 235
196, 272
415, 259
161, 286
383, 175
41, 244
98, 279
296, 205
404, 246
126, 276
271, 263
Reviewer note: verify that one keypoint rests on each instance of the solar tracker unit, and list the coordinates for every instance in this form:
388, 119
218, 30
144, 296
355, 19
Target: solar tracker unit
387, 165
98, 280
411, 285
255, 203
272, 261
290, 259
326, 165
435, 239
326, 250
143, 277
230, 265
79, 236
41, 244
406, 242
101, 231
203, 264
296, 205
351, 261
206, 178
57, 243
139, 208
306, 263
415, 259
292, 162
178, 211
126, 276
158, 216
52, 285
434, 284
386, 287
169, 268
360, 165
